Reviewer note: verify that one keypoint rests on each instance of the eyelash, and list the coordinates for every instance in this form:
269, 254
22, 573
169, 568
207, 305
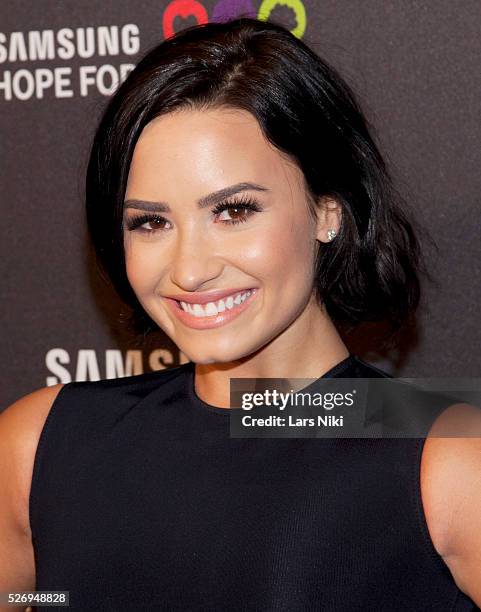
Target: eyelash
242, 203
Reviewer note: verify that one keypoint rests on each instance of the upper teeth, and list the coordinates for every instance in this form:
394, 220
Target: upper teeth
213, 308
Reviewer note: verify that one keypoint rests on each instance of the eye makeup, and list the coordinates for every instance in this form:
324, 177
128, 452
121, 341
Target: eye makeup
248, 205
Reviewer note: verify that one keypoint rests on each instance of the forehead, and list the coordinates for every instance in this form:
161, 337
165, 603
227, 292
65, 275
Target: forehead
211, 147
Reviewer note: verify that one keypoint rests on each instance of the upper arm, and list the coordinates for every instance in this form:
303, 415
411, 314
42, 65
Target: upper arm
20, 428
452, 491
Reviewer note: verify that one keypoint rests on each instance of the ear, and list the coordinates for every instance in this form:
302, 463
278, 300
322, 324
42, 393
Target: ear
329, 216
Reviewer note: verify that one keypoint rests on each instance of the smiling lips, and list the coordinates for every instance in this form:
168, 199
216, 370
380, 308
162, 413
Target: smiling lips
213, 313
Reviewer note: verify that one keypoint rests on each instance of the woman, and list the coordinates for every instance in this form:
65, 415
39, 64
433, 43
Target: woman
237, 201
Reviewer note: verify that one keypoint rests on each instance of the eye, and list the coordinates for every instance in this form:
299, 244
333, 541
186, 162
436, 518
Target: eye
243, 208
141, 223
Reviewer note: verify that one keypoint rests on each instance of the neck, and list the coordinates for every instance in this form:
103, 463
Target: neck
307, 349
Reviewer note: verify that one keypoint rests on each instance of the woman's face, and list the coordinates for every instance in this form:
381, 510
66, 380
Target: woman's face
179, 248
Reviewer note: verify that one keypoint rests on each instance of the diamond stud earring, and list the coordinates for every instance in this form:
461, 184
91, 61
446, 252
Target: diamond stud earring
331, 234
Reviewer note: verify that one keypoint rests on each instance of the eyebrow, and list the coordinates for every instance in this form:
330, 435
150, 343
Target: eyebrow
203, 202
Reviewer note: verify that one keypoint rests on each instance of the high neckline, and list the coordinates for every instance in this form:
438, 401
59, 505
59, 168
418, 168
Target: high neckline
339, 368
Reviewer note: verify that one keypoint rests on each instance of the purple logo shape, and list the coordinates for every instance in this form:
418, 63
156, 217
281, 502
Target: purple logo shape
228, 9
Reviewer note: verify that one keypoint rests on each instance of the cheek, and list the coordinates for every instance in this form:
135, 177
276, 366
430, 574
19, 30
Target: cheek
282, 252
142, 267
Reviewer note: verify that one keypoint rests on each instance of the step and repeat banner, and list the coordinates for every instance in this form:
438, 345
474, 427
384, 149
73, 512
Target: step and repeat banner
416, 69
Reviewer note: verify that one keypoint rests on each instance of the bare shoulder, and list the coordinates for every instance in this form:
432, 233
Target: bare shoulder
451, 493
20, 428
21, 424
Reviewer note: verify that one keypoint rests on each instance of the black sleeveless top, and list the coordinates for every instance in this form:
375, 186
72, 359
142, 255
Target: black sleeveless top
141, 500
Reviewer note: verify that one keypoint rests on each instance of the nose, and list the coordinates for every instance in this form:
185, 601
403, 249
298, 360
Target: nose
194, 260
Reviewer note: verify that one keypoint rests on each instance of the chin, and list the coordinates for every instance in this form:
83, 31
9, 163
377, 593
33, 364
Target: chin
200, 357
213, 355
